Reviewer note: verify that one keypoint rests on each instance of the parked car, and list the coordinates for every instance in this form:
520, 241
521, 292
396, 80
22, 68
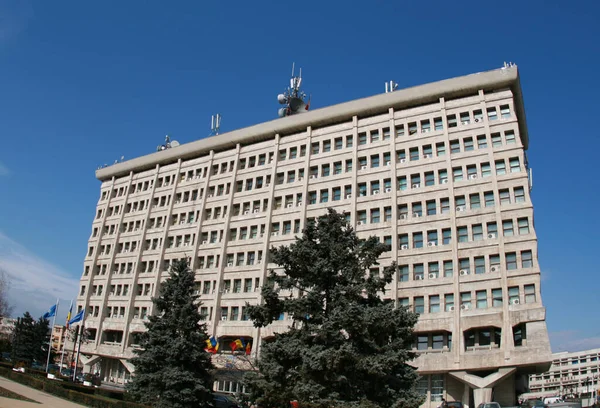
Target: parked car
37, 366
552, 400
455, 404
489, 405
224, 401
534, 403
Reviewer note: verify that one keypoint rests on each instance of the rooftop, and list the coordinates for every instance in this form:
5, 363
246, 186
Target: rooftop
507, 77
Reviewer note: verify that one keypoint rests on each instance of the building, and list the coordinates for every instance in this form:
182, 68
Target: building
58, 337
570, 375
438, 171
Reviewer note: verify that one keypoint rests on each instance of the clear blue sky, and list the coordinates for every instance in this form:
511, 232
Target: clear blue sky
83, 83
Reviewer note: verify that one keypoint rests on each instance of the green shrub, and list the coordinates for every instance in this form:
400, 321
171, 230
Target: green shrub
88, 396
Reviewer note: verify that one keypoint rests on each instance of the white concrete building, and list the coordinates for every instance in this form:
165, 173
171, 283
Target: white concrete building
573, 374
438, 171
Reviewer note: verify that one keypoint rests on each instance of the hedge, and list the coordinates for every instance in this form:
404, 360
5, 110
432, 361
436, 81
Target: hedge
91, 397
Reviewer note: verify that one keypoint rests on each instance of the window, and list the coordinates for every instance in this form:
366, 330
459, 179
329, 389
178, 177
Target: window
362, 139
414, 153
496, 297
386, 133
412, 128
434, 304
481, 296
440, 149
500, 167
529, 293
509, 136
465, 300
481, 142
348, 165
399, 130
423, 344
337, 168
338, 143
515, 167
492, 229
337, 193
431, 207
496, 140
486, 171
511, 261
387, 214
374, 136
492, 114
375, 216
312, 197
519, 195
375, 160
429, 178
474, 200
513, 294
419, 305
438, 123
504, 197
326, 146
471, 172
446, 236
415, 180
325, 170
293, 153
402, 183
477, 232
468, 142
464, 265
418, 271
417, 240
455, 146
479, 264
451, 121
448, 302
444, 205
463, 234
507, 228
314, 148
403, 273
417, 209
526, 259
457, 174
432, 236
504, 111
519, 334
362, 217
523, 224
489, 198
443, 176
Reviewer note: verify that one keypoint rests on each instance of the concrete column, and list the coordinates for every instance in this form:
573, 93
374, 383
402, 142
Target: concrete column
465, 398
482, 395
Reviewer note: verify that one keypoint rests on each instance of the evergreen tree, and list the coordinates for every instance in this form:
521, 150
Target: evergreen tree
347, 346
171, 368
31, 340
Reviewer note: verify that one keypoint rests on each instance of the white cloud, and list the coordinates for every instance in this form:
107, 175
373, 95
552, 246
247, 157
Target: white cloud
4, 170
35, 284
572, 340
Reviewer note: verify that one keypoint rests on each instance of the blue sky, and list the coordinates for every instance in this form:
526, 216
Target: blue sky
84, 83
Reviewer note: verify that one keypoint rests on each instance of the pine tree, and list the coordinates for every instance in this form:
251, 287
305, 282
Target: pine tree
171, 368
347, 346
31, 340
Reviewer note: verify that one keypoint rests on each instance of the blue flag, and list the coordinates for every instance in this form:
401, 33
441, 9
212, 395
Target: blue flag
51, 312
77, 318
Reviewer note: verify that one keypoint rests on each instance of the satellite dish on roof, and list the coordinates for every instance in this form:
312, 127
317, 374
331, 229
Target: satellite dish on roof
174, 143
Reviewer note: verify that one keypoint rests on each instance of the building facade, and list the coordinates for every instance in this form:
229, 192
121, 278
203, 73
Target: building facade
439, 172
571, 375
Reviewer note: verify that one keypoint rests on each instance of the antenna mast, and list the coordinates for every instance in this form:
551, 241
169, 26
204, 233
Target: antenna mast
215, 124
293, 99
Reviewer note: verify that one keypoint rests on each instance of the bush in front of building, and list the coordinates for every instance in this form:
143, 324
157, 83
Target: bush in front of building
91, 397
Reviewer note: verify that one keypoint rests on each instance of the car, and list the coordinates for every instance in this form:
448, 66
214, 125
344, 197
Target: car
552, 400
489, 405
534, 403
455, 404
224, 401
6, 356
37, 366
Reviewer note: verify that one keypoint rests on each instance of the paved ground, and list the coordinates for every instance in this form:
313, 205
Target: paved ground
44, 399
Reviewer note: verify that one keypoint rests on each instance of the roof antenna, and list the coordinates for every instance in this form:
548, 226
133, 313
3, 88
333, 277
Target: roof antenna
215, 124
293, 98
390, 87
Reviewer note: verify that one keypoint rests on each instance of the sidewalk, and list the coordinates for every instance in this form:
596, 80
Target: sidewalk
44, 399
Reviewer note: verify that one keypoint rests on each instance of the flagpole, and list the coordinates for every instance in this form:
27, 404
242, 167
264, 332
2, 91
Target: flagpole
51, 330
62, 357
77, 337
78, 347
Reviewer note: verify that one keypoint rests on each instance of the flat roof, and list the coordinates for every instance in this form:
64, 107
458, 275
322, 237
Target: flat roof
457, 87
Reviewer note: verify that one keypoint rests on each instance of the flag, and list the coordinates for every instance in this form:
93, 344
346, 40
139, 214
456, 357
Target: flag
236, 344
248, 348
51, 312
212, 345
69, 314
77, 318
